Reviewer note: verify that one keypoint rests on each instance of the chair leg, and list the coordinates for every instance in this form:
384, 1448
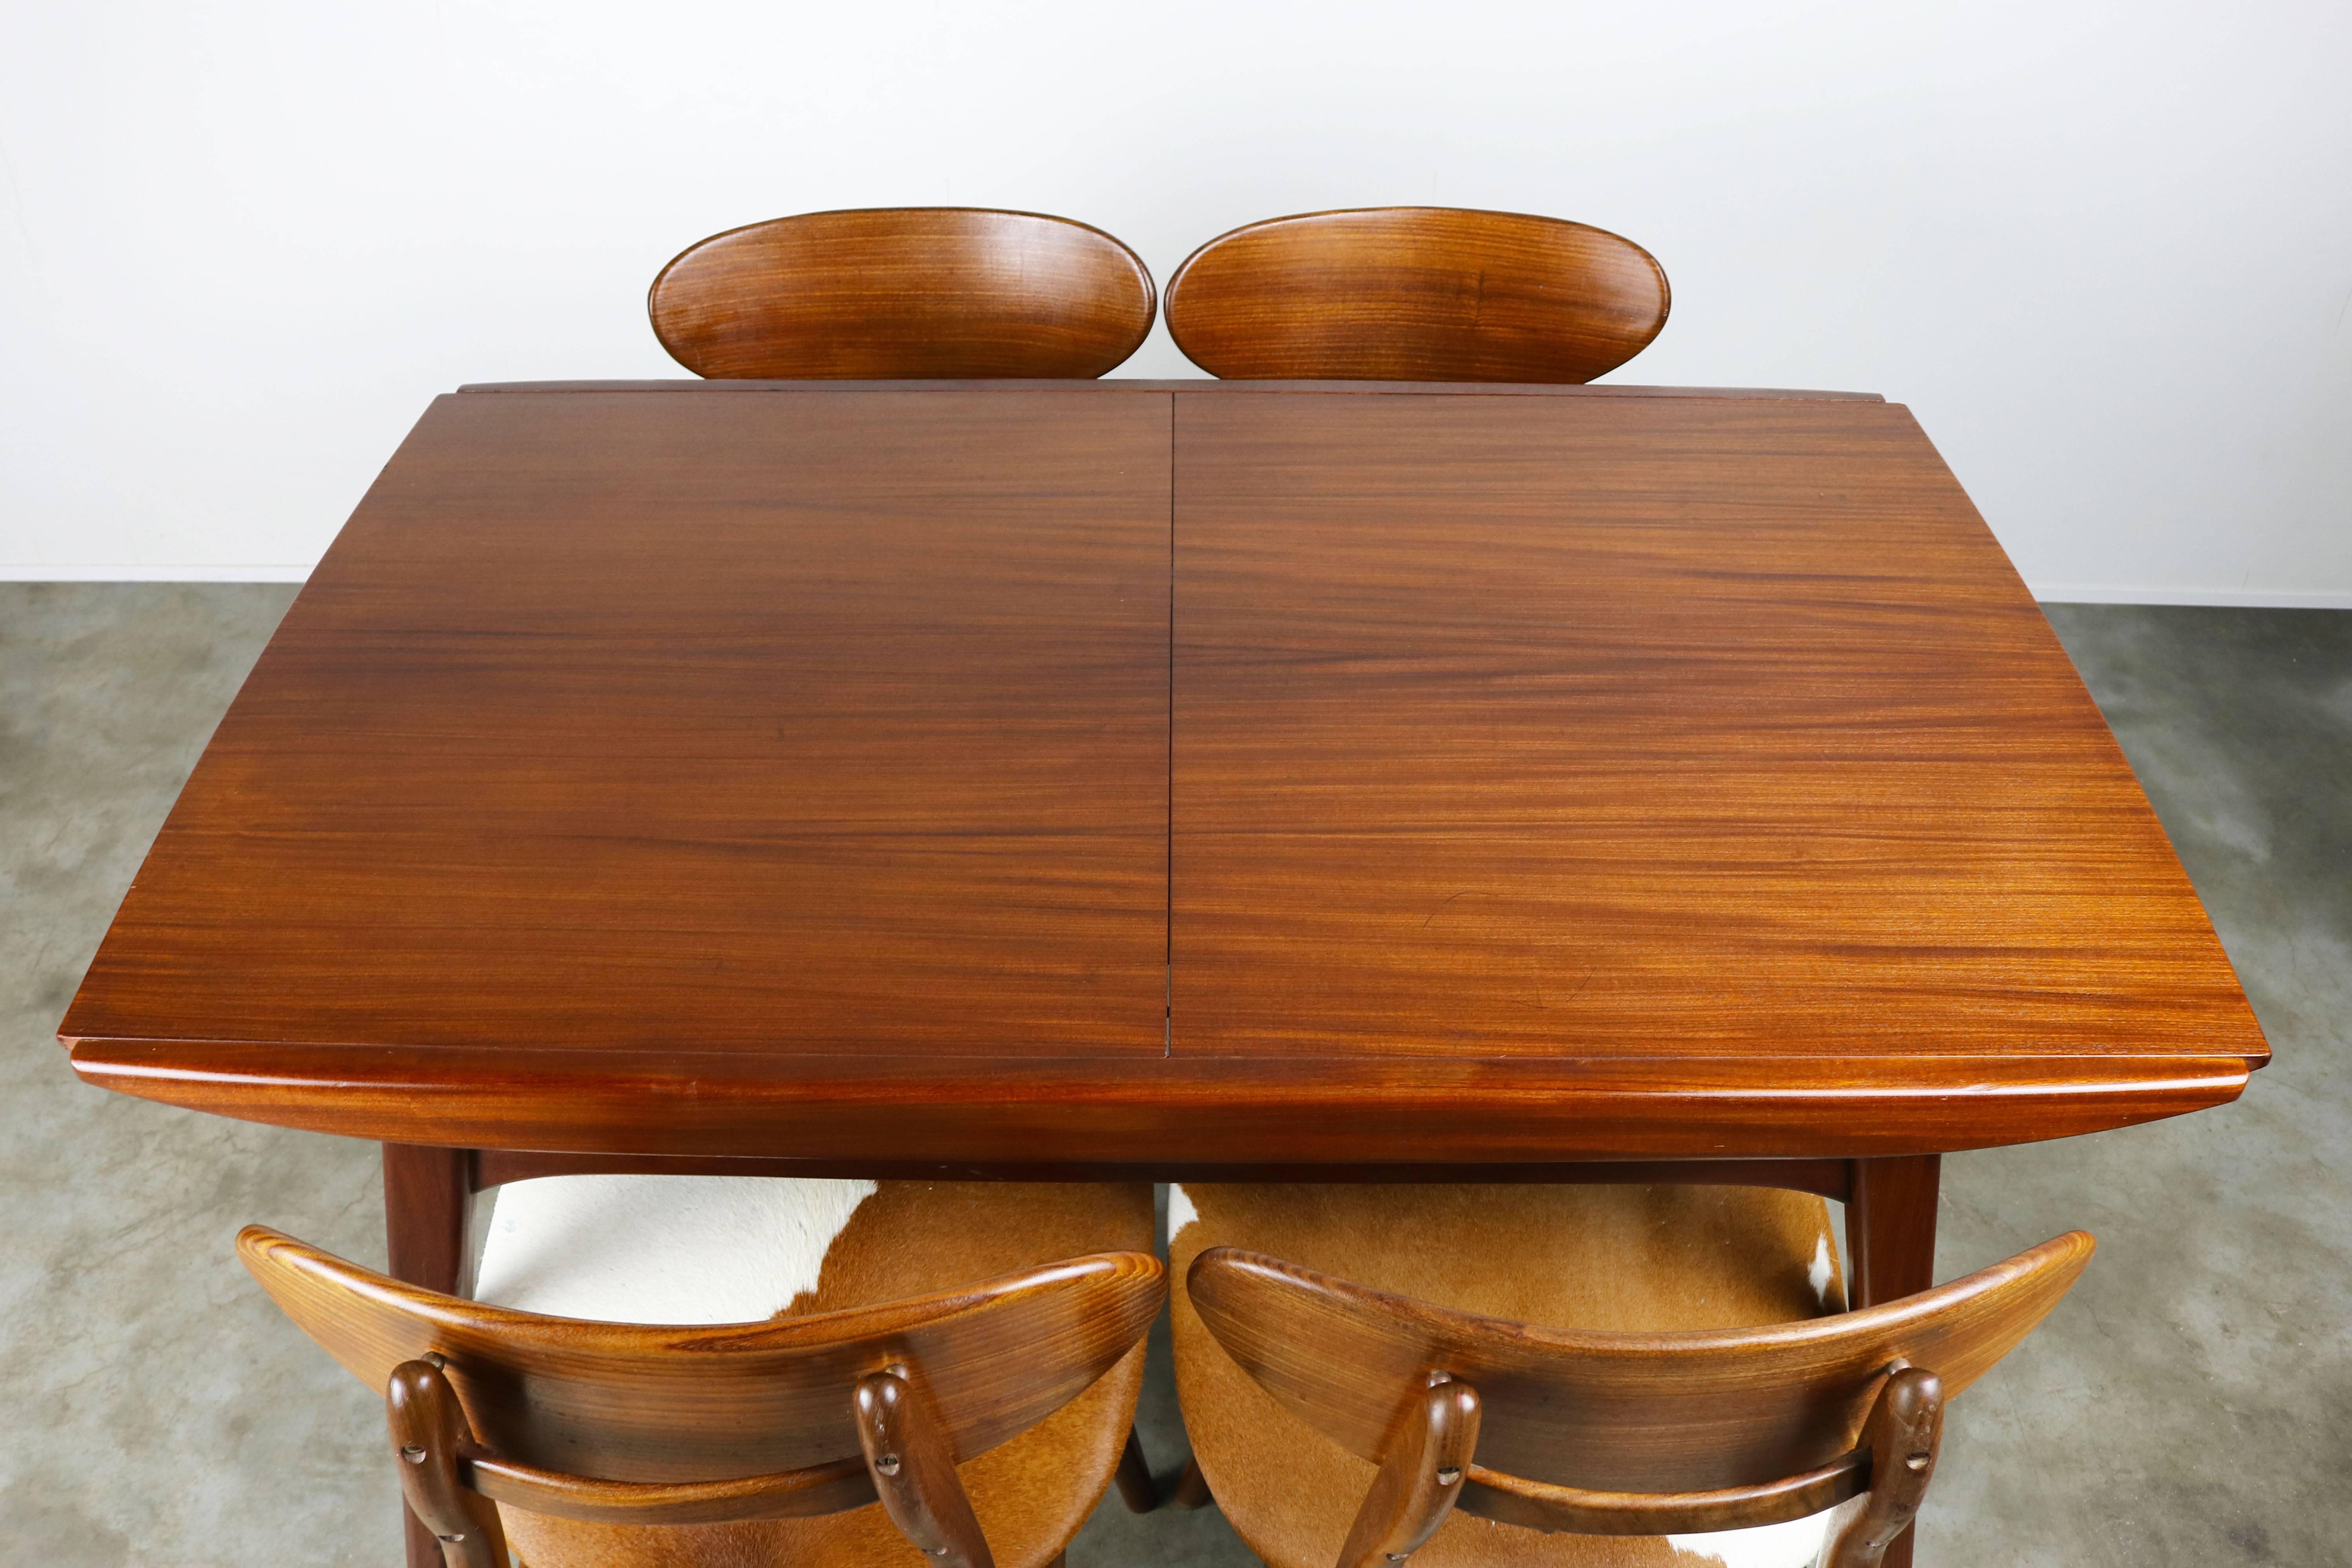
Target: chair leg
1890, 1229
428, 1212
1135, 1488
1192, 1488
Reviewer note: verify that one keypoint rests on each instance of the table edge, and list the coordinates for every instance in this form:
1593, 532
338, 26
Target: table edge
1190, 385
1297, 1110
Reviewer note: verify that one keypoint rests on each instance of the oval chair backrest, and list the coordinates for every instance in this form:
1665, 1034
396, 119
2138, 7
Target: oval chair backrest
1614, 1412
637, 1402
1416, 294
904, 293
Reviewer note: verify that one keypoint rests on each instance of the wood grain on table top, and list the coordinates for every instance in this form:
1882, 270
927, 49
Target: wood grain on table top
646, 724
1643, 728
1553, 777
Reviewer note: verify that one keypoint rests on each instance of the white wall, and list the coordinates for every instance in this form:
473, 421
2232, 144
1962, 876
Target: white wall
2104, 250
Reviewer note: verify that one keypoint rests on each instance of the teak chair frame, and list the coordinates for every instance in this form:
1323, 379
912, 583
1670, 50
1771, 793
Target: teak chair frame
905, 293
791, 1418
1622, 1434
1412, 293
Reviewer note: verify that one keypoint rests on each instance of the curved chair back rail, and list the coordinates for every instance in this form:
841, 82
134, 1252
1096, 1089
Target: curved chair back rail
1416, 294
1583, 1428
904, 293
566, 1415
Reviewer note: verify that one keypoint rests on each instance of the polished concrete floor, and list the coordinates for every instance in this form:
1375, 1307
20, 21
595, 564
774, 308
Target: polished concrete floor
2192, 1403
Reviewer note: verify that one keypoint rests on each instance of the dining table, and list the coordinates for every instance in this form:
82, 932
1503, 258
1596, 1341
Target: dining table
1167, 781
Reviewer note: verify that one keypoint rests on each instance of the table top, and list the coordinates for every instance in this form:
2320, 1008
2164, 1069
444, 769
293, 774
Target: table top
1122, 773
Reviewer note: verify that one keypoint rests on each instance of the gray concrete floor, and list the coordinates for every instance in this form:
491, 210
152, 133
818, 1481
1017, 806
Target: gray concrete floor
2189, 1405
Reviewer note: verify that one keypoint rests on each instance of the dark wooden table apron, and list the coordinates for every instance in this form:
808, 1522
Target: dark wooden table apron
1166, 780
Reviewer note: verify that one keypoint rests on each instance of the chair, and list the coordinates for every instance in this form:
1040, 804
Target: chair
987, 1413
904, 293
1384, 1394
1416, 294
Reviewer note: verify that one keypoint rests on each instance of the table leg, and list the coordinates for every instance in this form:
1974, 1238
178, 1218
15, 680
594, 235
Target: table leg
1890, 1233
429, 1216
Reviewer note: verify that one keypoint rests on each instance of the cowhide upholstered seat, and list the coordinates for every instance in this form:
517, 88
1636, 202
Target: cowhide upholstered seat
1602, 1258
711, 1249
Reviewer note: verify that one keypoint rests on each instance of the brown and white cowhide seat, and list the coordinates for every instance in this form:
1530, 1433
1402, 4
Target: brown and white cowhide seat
715, 1249
1600, 1257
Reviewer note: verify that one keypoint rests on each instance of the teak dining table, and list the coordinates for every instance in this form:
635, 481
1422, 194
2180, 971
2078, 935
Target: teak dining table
1166, 780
